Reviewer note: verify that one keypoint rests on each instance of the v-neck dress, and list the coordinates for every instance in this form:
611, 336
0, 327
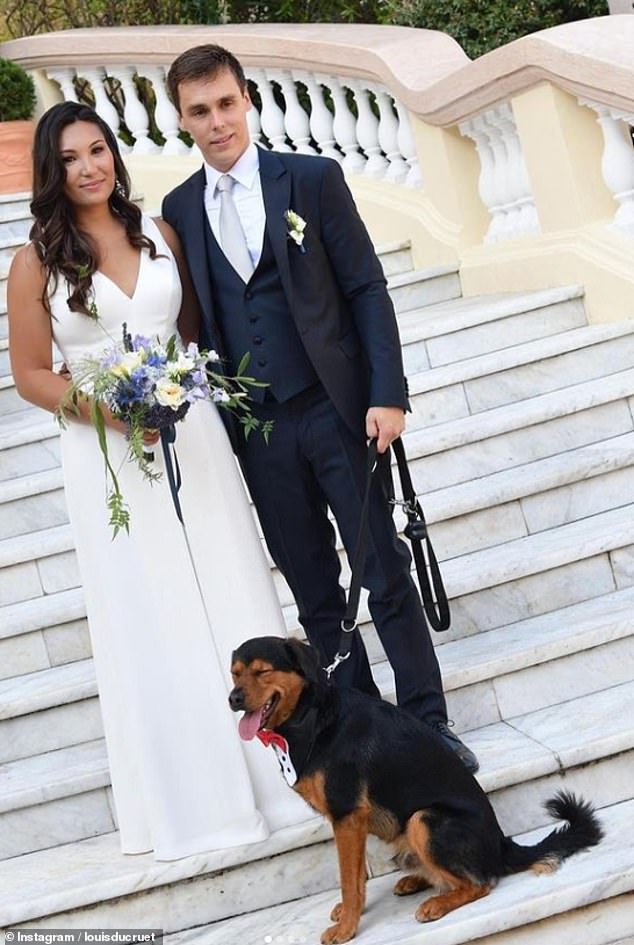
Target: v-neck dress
167, 604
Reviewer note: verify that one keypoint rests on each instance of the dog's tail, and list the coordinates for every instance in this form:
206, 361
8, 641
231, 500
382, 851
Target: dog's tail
581, 831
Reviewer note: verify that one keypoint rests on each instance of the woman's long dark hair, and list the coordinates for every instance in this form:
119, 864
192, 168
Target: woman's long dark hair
63, 248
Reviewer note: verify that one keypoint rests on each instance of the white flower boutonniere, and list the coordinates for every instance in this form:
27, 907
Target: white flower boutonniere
296, 226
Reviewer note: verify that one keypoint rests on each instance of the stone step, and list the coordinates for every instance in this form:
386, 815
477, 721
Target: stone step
419, 288
512, 435
12, 205
468, 327
521, 372
55, 798
486, 676
396, 257
464, 519
589, 901
527, 755
15, 224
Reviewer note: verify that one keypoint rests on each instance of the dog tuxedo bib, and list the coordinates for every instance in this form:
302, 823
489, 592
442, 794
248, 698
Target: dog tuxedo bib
280, 747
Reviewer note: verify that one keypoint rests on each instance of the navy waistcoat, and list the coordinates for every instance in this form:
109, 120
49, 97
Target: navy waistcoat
256, 318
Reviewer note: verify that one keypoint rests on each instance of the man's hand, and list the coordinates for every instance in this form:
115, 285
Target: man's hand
385, 424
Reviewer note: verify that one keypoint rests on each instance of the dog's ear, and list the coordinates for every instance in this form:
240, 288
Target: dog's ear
306, 659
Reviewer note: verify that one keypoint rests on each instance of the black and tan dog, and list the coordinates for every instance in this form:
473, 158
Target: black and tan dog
370, 767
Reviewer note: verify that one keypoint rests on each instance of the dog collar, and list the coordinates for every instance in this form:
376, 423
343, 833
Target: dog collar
280, 747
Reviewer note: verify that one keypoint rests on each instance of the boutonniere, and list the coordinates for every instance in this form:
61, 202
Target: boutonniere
296, 227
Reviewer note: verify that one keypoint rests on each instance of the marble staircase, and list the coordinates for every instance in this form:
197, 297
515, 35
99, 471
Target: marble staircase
521, 443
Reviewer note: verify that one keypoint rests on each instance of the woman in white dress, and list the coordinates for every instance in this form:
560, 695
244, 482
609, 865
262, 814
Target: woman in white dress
167, 603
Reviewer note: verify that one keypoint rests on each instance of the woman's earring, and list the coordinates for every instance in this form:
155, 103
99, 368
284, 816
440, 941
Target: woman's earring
120, 189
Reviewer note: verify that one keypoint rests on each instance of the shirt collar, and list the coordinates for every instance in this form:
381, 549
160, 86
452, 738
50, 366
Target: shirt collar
245, 170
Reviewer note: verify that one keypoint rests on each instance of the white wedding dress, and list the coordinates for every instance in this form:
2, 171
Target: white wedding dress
166, 609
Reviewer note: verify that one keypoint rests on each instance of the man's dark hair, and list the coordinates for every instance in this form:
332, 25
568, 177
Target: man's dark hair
202, 62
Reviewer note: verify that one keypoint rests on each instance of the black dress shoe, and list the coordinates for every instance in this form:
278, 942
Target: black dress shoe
459, 748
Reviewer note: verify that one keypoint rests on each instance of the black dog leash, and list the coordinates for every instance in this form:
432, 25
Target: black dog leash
434, 596
432, 591
349, 622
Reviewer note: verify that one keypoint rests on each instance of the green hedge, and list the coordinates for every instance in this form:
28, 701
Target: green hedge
482, 25
17, 93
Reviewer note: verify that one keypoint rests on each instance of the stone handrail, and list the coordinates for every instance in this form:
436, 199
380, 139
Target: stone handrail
531, 139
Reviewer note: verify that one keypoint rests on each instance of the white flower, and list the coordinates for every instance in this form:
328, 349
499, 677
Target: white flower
184, 364
128, 363
296, 226
220, 396
169, 394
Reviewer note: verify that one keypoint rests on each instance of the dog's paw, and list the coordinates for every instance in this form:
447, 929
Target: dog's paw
430, 910
335, 915
410, 884
336, 934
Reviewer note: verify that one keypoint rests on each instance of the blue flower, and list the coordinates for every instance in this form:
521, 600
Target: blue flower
139, 342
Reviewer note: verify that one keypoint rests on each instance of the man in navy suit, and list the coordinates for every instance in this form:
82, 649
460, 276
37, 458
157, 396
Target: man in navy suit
319, 324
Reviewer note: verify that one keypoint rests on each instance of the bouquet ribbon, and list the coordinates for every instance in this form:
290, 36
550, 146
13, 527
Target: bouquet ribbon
168, 438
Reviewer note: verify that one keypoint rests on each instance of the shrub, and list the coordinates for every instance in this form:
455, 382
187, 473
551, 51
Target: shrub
482, 25
17, 92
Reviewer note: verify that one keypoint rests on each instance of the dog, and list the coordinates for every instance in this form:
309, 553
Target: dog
372, 768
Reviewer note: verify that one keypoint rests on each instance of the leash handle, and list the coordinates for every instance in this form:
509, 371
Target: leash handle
434, 596
349, 622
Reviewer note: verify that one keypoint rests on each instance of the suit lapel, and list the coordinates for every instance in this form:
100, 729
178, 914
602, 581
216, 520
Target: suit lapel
276, 193
194, 222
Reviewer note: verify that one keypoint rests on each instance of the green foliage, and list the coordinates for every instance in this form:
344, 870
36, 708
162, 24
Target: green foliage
28, 17
305, 11
17, 92
482, 25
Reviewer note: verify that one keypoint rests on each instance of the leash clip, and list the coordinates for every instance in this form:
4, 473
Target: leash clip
329, 670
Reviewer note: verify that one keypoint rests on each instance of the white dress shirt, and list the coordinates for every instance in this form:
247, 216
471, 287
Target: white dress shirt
247, 196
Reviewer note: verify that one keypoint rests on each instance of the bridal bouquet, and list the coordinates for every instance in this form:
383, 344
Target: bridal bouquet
151, 386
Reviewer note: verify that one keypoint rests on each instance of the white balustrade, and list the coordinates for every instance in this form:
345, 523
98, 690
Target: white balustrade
617, 163
503, 185
355, 122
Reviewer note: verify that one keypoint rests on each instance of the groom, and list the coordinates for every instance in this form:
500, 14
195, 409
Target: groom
311, 306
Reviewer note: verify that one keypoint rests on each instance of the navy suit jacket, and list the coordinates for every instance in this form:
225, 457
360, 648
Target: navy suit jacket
336, 290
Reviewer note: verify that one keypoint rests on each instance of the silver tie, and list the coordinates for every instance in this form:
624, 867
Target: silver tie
232, 238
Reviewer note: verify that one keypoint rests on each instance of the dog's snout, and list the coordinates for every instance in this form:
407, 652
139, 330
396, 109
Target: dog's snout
236, 699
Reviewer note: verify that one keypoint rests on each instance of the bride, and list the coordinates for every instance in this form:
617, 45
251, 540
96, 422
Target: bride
167, 603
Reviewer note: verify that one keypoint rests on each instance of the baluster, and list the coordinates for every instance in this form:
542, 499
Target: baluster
475, 129
271, 116
524, 219
617, 163
136, 117
296, 119
321, 118
103, 106
64, 78
345, 129
407, 146
255, 128
165, 114
388, 136
368, 130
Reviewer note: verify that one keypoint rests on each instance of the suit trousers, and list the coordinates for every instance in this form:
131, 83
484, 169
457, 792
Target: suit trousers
311, 462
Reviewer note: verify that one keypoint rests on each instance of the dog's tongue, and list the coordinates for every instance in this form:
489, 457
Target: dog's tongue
249, 724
